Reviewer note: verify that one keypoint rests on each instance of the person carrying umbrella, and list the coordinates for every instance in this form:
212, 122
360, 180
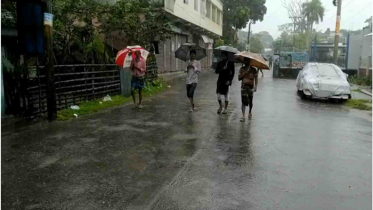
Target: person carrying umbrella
249, 77
193, 69
138, 67
225, 69
191, 53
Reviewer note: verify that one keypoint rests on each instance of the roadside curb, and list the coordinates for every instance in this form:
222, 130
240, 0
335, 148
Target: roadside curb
366, 92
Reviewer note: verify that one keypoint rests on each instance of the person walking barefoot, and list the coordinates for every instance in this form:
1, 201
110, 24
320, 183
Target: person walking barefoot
193, 69
138, 67
225, 69
249, 77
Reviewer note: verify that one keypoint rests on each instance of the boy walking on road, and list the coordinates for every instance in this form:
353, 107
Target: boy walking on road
193, 69
249, 77
138, 67
226, 71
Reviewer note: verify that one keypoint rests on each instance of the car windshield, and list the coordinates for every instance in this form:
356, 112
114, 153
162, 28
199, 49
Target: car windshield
324, 71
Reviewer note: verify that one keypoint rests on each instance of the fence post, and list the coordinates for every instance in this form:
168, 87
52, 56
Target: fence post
125, 81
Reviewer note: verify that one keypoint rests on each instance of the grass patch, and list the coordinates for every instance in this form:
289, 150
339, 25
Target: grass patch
96, 105
361, 104
358, 90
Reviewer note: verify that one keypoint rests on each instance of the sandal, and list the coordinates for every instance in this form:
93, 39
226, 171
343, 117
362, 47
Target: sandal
242, 119
250, 115
219, 111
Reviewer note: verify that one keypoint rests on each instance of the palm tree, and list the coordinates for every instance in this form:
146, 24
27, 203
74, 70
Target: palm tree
314, 13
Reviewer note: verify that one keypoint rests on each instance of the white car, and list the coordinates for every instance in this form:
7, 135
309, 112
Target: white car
324, 81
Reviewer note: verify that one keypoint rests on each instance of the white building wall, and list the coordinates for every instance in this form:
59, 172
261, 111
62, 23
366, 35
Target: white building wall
185, 9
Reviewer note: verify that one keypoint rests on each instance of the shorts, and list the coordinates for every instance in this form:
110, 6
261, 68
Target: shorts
226, 96
222, 89
247, 93
138, 82
190, 89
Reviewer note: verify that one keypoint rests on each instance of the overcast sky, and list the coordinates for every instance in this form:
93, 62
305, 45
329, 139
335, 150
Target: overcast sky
354, 14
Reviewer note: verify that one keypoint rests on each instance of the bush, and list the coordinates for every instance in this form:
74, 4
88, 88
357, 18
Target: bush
365, 81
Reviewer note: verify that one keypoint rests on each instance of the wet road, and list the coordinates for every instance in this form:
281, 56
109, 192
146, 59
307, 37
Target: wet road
293, 154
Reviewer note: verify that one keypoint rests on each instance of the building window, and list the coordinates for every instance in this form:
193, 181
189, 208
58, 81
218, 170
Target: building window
196, 5
208, 9
213, 18
203, 7
185, 1
218, 17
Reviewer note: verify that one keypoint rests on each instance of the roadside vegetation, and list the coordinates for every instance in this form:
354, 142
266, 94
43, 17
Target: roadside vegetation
361, 104
88, 107
364, 81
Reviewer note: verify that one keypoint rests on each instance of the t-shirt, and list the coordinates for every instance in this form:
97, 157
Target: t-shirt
249, 77
192, 76
138, 67
225, 74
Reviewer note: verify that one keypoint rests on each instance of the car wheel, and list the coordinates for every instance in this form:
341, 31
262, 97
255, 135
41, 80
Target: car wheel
302, 95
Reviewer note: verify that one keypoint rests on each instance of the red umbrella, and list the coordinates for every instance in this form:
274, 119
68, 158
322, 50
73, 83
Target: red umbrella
125, 56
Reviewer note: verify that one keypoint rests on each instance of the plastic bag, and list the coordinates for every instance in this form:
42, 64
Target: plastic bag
107, 98
74, 107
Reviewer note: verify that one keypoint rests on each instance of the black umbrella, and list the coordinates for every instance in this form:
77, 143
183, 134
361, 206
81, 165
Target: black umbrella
230, 50
182, 52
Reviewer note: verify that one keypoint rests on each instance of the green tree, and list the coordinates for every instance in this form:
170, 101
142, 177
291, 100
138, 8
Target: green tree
81, 27
139, 21
256, 45
219, 43
283, 43
265, 38
314, 13
237, 13
369, 21
74, 31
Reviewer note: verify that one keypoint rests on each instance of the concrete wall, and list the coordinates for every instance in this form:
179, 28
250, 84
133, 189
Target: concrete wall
205, 15
365, 67
354, 51
366, 51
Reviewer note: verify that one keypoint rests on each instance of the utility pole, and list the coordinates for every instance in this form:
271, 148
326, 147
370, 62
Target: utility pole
248, 37
337, 28
51, 88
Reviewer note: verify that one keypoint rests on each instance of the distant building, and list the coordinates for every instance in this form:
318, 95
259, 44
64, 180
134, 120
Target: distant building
197, 21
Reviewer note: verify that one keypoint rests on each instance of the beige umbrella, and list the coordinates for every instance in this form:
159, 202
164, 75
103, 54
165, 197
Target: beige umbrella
256, 60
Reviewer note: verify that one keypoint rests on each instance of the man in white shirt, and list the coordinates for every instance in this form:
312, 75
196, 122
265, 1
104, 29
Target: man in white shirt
193, 69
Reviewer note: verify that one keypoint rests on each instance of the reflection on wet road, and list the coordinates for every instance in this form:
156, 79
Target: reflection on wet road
293, 154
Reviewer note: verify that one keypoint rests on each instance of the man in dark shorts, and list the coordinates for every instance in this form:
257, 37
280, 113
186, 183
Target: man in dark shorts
138, 67
249, 77
193, 69
225, 69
